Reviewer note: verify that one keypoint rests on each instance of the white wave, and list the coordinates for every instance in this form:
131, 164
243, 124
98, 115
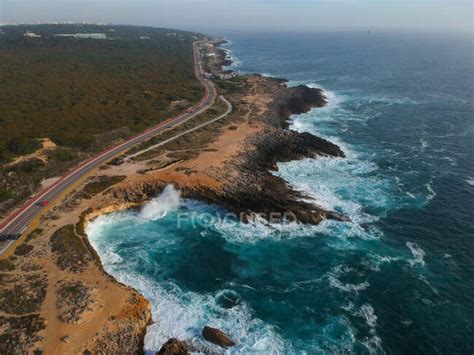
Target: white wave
367, 312
391, 100
111, 257
99, 225
333, 99
374, 342
417, 252
470, 181
424, 144
431, 192
338, 184
451, 160
267, 75
157, 208
336, 283
182, 315
230, 56
376, 261
348, 185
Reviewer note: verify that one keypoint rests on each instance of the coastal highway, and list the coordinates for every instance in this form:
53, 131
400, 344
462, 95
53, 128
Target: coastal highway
17, 223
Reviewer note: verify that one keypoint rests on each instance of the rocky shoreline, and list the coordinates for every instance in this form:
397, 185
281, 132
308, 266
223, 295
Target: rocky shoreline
255, 190
249, 187
230, 163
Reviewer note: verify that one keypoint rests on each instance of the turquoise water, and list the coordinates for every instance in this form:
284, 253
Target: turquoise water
399, 278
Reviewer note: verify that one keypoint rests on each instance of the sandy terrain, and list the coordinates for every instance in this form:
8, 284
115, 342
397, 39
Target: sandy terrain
56, 260
111, 310
47, 145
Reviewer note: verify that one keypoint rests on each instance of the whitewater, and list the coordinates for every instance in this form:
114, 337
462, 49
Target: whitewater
380, 283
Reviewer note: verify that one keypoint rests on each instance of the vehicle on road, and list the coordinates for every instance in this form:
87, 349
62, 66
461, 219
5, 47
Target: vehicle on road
18, 222
5, 237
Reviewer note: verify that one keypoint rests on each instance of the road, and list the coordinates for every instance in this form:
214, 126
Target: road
17, 223
227, 111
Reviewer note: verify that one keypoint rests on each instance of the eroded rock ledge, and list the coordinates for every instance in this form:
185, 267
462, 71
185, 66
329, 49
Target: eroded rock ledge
250, 187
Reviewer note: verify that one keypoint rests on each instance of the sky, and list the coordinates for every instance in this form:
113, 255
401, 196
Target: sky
267, 15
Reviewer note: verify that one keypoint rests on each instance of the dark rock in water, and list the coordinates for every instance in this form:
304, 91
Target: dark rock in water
174, 347
259, 192
256, 191
217, 337
228, 299
304, 98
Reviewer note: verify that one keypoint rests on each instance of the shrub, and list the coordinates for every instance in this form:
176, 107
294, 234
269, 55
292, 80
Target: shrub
71, 253
6, 265
23, 249
103, 183
5, 195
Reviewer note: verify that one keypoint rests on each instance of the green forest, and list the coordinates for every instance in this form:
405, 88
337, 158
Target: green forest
86, 93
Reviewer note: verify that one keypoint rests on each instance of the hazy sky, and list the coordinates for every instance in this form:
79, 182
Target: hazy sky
208, 15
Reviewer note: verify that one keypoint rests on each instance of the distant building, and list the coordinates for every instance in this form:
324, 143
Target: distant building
31, 35
84, 35
227, 75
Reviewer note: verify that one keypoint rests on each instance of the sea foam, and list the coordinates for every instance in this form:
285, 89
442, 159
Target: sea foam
418, 254
157, 208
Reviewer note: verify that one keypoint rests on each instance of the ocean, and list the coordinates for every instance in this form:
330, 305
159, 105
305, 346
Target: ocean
398, 279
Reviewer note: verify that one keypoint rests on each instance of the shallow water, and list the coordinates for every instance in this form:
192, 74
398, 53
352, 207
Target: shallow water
399, 278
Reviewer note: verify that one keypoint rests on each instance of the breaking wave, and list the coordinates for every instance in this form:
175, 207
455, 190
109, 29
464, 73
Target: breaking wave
157, 208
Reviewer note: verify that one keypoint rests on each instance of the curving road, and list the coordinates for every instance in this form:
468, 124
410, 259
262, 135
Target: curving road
17, 223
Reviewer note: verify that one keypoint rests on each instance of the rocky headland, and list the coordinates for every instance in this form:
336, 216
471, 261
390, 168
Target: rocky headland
230, 162
244, 182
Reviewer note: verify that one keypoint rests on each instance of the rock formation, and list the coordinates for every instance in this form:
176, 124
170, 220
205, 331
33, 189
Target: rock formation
217, 337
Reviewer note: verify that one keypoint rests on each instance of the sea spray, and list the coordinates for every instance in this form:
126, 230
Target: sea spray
361, 287
158, 207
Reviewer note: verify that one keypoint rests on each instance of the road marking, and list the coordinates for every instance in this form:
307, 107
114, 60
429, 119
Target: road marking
28, 212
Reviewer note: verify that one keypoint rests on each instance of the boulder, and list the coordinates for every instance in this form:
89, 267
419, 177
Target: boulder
173, 347
217, 337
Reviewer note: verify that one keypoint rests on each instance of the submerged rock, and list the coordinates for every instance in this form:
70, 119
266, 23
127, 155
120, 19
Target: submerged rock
217, 337
174, 347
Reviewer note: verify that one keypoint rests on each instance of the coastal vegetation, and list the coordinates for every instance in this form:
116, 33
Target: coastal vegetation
73, 299
25, 295
102, 183
71, 253
225, 162
84, 87
7, 265
25, 328
214, 111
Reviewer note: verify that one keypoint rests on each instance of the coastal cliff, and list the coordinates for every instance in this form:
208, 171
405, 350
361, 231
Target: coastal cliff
246, 184
230, 162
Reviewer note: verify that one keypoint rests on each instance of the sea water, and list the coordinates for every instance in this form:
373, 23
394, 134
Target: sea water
399, 278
